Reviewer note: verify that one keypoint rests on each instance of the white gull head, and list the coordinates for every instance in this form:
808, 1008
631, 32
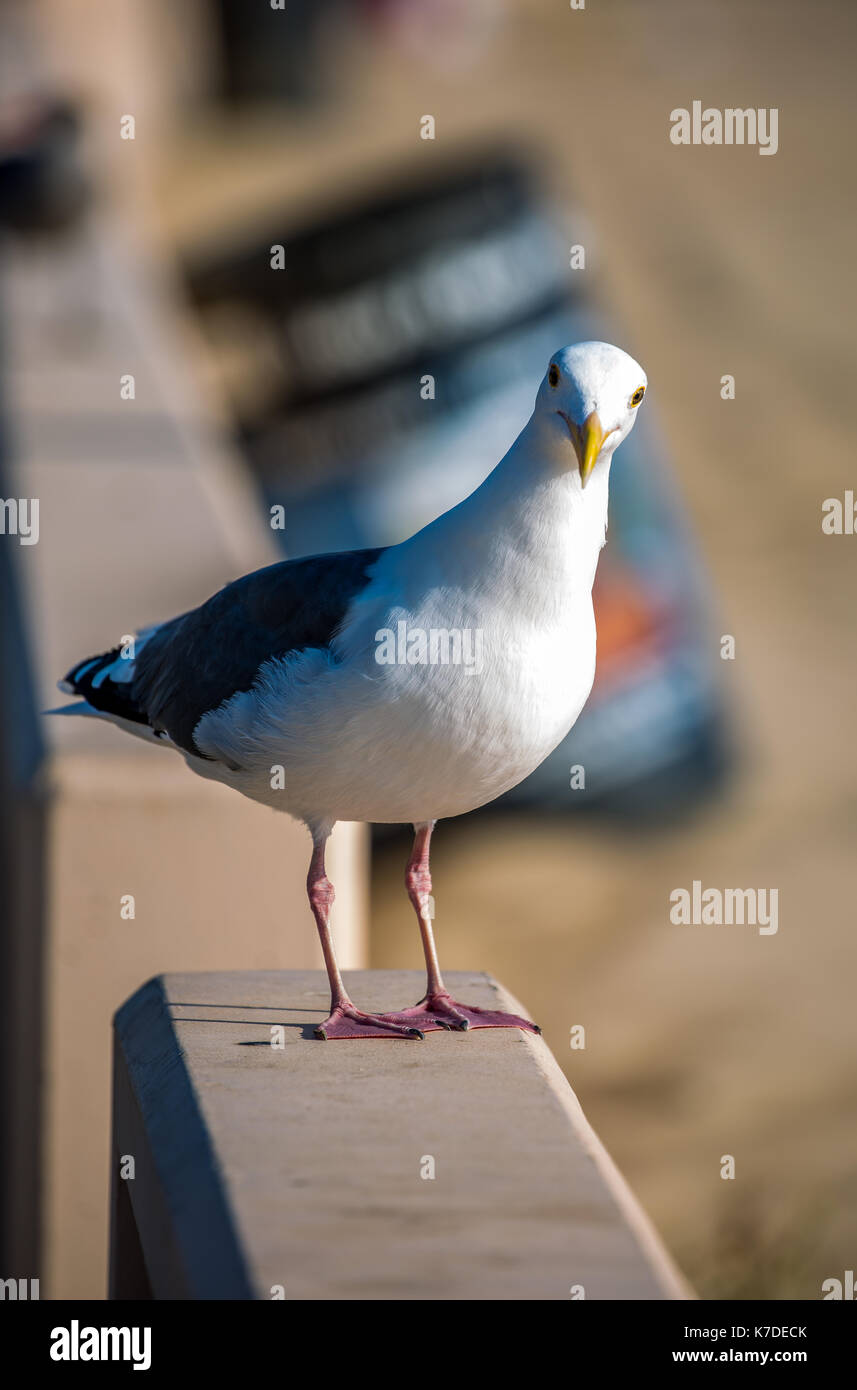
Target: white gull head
589, 396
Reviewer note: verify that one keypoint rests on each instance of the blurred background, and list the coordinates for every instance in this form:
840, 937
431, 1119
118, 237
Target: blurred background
368, 223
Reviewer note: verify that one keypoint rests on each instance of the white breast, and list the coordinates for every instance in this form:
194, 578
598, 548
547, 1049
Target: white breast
395, 741
340, 735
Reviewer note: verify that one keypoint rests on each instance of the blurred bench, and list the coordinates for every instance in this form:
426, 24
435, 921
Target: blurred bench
458, 1168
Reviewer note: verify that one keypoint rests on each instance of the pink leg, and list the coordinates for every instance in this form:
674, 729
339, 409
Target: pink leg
437, 1009
345, 1021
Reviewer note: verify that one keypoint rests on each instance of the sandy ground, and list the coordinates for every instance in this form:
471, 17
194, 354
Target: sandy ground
700, 1042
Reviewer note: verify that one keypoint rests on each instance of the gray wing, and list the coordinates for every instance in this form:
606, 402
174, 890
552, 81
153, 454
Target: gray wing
193, 663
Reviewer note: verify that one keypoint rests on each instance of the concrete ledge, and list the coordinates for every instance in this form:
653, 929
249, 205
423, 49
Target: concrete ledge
144, 511
299, 1167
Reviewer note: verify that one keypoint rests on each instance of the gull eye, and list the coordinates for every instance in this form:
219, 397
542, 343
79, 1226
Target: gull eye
638, 395
553, 374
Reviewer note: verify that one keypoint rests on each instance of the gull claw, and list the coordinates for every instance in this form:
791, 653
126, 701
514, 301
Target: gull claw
441, 1011
346, 1021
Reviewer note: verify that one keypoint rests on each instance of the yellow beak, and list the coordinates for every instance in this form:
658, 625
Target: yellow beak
587, 440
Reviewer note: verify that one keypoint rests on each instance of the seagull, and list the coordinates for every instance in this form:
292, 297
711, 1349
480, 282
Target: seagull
404, 684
